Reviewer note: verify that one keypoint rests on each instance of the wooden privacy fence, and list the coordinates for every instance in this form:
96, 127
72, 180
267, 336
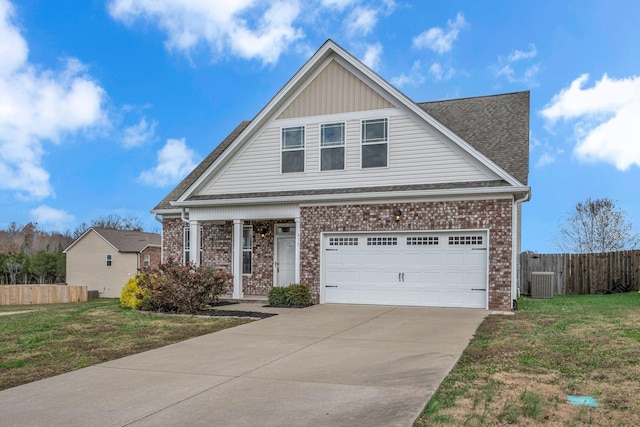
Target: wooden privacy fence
41, 294
582, 273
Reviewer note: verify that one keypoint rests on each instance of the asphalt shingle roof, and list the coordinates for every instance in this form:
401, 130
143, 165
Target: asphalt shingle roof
128, 241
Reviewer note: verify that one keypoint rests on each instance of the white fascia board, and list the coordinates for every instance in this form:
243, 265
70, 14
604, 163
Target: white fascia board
385, 195
261, 117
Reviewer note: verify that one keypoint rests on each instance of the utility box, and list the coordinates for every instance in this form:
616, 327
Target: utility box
542, 284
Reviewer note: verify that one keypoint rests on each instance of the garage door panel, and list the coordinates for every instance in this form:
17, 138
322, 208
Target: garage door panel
427, 269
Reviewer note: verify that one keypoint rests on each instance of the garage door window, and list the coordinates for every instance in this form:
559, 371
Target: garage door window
382, 241
343, 241
465, 240
422, 241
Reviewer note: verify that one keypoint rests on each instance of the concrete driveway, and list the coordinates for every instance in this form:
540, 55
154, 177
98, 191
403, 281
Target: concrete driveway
326, 365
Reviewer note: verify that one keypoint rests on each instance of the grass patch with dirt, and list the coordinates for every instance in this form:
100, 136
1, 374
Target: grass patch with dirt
518, 370
58, 338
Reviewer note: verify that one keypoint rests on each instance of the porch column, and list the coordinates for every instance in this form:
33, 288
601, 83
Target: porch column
237, 258
297, 257
194, 242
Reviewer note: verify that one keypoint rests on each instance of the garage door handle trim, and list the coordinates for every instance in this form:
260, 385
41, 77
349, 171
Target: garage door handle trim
478, 289
330, 286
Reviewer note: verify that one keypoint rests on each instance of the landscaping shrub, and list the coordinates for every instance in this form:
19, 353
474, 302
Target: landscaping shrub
293, 295
278, 295
133, 296
175, 288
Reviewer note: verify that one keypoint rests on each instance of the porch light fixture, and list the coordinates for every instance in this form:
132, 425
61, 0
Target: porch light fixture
398, 214
264, 232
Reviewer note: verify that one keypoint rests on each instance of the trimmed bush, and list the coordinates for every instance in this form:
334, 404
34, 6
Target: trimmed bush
174, 288
133, 296
296, 294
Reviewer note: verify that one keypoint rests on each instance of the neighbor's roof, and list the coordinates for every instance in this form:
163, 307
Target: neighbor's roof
124, 240
495, 125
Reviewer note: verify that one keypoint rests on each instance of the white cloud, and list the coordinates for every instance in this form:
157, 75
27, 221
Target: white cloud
511, 68
545, 159
439, 40
175, 161
361, 21
372, 56
139, 134
55, 219
337, 4
220, 25
414, 78
441, 73
604, 117
38, 105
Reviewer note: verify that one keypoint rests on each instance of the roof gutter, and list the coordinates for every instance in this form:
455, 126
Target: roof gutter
183, 217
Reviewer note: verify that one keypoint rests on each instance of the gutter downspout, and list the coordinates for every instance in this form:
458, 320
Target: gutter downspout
515, 290
183, 216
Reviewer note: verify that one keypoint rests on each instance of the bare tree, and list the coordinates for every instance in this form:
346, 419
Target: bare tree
113, 221
596, 226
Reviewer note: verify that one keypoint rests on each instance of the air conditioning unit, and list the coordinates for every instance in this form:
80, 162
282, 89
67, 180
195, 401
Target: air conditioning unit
542, 284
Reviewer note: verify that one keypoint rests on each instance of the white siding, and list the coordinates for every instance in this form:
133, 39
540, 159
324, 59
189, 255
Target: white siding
417, 155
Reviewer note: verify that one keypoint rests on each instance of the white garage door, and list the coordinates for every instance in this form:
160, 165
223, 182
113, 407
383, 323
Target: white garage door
439, 269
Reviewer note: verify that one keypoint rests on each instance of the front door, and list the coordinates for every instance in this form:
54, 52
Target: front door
285, 260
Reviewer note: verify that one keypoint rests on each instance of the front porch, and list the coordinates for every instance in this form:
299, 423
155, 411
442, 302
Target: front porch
260, 253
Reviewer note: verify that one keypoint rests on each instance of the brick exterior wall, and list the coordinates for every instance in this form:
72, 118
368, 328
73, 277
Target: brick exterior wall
494, 215
154, 256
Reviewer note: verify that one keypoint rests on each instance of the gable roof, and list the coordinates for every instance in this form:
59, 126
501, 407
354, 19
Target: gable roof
503, 147
125, 241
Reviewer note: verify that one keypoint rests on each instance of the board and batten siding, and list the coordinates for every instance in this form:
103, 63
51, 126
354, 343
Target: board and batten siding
87, 266
334, 90
416, 156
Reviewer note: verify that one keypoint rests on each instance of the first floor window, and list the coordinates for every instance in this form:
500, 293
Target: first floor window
109, 260
147, 260
247, 246
332, 146
187, 245
293, 149
375, 141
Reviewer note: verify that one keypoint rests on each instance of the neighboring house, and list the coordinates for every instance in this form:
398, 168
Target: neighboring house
344, 184
103, 259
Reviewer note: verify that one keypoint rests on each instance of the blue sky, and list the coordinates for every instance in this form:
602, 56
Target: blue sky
106, 105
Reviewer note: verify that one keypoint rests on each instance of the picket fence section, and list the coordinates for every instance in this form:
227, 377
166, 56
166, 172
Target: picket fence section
41, 294
582, 273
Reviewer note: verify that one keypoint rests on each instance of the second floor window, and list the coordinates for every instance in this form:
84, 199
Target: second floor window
375, 143
292, 149
332, 146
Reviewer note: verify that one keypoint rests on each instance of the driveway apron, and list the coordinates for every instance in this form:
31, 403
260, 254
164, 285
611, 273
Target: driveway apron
326, 365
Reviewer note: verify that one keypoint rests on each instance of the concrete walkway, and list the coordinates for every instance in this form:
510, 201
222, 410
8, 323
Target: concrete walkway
326, 365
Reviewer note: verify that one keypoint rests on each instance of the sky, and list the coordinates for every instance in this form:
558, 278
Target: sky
106, 105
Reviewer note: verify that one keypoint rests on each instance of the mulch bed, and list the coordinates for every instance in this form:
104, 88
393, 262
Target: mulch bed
234, 313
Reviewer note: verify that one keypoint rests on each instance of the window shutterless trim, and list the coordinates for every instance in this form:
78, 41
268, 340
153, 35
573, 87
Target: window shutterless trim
303, 147
384, 140
343, 145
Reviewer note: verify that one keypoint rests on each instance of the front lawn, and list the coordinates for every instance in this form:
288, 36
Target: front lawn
58, 338
519, 369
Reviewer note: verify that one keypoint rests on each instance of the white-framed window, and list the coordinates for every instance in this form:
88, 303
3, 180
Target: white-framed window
109, 260
292, 147
332, 150
187, 245
147, 260
247, 248
375, 143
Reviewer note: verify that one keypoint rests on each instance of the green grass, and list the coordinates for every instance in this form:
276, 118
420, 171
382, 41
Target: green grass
58, 338
518, 369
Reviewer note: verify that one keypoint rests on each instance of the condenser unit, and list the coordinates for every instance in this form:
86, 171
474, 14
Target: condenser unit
542, 284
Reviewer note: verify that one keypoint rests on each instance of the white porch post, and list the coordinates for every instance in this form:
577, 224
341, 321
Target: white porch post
194, 242
237, 258
297, 256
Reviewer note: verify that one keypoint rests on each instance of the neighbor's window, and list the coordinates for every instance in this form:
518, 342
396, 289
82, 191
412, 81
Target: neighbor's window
247, 243
109, 260
332, 147
187, 245
375, 143
147, 260
293, 149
